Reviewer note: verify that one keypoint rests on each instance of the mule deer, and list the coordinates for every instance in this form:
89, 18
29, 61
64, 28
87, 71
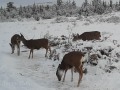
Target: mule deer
70, 61
93, 35
15, 41
36, 44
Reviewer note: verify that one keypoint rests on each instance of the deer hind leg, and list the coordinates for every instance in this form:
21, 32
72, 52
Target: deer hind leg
49, 50
72, 69
79, 69
46, 52
51, 54
30, 53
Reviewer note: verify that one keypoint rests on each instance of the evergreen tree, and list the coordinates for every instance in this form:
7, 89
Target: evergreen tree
119, 2
104, 4
1, 8
111, 3
10, 6
116, 5
59, 2
98, 6
41, 9
20, 10
34, 9
86, 2
47, 7
74, 4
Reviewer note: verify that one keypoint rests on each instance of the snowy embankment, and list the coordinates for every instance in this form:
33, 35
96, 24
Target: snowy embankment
39, 73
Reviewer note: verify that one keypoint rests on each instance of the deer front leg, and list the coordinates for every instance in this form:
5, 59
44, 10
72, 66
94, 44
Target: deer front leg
49, 50
79, 69
13, 49
18, 50
46, 52
30, 53
72, 74
64, 75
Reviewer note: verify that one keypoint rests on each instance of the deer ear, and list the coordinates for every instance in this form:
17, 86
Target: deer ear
21, 34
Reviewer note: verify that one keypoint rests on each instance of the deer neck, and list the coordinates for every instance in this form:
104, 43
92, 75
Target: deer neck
24, 41
63, 66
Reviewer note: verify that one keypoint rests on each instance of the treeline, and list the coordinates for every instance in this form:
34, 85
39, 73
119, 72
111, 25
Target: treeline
98, 7
37, 11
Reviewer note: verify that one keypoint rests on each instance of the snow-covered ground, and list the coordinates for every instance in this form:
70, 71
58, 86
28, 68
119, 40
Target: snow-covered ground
39, 73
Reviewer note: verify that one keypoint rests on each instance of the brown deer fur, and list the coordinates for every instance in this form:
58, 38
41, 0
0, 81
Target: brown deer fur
15, 41
36, 44
71, 60
93, 35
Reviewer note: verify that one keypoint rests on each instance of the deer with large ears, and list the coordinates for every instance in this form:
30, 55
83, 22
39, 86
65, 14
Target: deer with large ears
15, 41
71, 60
36, 44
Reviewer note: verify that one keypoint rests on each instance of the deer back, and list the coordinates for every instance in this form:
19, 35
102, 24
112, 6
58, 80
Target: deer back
72, 59
37, 43
94, 35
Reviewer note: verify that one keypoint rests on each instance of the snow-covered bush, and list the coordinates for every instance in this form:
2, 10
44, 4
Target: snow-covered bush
61, 19
79, 17
110, 19
113, 19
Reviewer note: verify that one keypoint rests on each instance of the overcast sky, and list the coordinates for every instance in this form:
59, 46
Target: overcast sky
29, 2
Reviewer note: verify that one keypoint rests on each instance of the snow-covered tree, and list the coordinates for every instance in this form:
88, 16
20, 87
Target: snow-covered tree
59, 2
10, 6
111, 3
74, 4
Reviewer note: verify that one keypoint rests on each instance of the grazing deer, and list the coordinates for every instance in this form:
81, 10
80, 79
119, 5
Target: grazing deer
70, 61
15, 41
93, 35
36, 44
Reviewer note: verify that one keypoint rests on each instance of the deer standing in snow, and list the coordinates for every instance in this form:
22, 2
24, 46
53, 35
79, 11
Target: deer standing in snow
36, 44
70, 61
15, 41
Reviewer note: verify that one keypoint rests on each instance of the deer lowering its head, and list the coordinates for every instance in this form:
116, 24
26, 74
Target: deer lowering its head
15, 41
36, 44
71, 60
93, 35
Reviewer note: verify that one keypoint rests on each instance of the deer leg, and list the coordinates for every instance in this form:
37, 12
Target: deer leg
30, 53
12, 51
18, 50
72, 74
81, 72
46, 52
64, 75
79, 69
13, 48
50, 50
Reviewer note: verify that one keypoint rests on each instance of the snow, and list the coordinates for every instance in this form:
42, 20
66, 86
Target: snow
39, 73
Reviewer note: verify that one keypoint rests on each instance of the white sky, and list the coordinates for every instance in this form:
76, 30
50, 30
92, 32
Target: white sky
29, 2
